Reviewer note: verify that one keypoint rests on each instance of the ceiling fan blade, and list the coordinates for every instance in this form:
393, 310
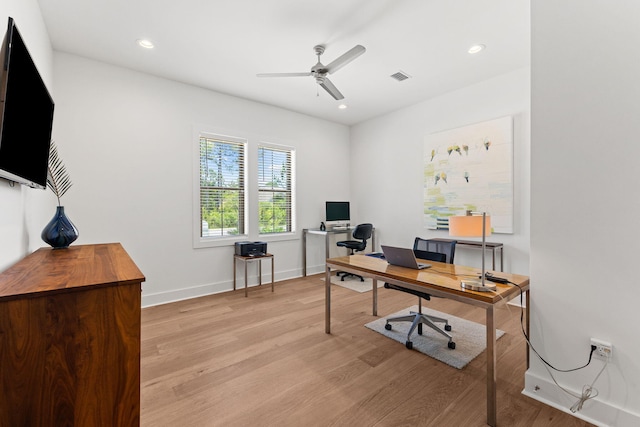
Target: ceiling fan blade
333, 91
283, 75
343, 60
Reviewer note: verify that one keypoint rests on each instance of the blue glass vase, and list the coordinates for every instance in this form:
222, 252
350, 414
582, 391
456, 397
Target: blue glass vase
60, 232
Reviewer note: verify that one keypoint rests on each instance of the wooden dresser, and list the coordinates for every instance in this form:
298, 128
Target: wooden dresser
70, 338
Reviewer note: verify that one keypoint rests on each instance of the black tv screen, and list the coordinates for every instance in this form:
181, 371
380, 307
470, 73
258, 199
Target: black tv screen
26, 113
337, 211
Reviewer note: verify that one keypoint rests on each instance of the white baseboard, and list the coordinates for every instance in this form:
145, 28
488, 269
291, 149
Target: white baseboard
159, 298
594, 411
150, 299
315, 269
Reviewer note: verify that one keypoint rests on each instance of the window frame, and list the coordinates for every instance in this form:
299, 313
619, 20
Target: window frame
291, 188
224, 240
251, 224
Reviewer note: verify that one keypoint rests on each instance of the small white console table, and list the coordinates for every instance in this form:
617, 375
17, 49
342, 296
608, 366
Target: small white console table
327, 233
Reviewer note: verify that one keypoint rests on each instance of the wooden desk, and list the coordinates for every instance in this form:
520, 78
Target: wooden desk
247, 260
492, 246
442, 280
70, 338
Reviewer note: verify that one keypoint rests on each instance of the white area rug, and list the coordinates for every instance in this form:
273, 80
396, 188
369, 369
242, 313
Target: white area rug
470, 337
355, 284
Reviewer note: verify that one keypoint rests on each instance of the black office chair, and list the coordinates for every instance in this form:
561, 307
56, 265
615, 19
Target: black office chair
445, 253
362, 232
447, 247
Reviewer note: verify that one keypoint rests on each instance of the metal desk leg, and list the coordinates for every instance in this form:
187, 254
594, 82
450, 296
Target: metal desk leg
326, 246
501, 258
260, 272
375, 297
327, 301
491, 369
304, 253
493, 259
527, 313
272, 275
373, 240
245, 278
234, 273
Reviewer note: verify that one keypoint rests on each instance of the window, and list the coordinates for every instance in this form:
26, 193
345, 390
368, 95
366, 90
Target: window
243, 189
222, 186
275, 190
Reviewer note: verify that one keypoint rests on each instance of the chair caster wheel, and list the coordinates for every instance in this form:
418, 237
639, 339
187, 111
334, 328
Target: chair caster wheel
409, 345
447, 327
362, 279
419, 328
452, 345
387, 327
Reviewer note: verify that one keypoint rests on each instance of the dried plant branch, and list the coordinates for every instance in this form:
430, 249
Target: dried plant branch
57, 176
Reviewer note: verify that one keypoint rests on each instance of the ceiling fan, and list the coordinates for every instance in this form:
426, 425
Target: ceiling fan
320, 71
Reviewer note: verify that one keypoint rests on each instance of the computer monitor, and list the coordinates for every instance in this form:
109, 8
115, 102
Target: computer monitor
337, 211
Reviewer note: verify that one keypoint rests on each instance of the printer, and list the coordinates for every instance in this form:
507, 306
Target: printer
251, 248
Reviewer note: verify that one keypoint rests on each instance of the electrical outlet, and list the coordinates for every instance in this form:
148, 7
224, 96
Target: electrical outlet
603, 349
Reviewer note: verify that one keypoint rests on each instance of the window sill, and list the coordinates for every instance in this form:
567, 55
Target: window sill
215, 242
280, 237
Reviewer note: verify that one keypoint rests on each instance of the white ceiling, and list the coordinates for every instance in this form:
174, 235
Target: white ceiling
222, 44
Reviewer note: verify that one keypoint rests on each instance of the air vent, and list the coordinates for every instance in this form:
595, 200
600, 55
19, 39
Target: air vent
400, 76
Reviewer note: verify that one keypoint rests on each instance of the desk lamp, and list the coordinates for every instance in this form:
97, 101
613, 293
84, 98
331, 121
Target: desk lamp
473, 224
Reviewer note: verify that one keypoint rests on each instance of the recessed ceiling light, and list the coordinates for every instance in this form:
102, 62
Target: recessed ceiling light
476, 48
342, 106
147, 44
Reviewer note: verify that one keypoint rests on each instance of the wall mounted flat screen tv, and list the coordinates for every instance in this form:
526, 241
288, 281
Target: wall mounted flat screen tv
26, 115
337, 211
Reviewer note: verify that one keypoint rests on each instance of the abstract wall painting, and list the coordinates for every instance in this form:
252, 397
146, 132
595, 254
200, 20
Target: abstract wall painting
470, 168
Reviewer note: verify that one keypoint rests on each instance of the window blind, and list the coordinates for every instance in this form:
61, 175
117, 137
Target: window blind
222, 187
275, 190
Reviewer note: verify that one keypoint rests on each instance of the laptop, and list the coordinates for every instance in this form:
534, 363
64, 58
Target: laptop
403, 257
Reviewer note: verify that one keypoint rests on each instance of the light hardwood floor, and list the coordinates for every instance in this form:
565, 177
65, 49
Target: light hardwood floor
227, 360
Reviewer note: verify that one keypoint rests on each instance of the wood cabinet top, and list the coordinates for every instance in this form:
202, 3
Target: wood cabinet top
61, 270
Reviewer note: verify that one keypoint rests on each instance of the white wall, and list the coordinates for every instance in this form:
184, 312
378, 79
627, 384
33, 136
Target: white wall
585, 202
387, 184
126, 139
24, 211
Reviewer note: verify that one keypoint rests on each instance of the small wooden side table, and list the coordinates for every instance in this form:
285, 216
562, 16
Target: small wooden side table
247, 260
